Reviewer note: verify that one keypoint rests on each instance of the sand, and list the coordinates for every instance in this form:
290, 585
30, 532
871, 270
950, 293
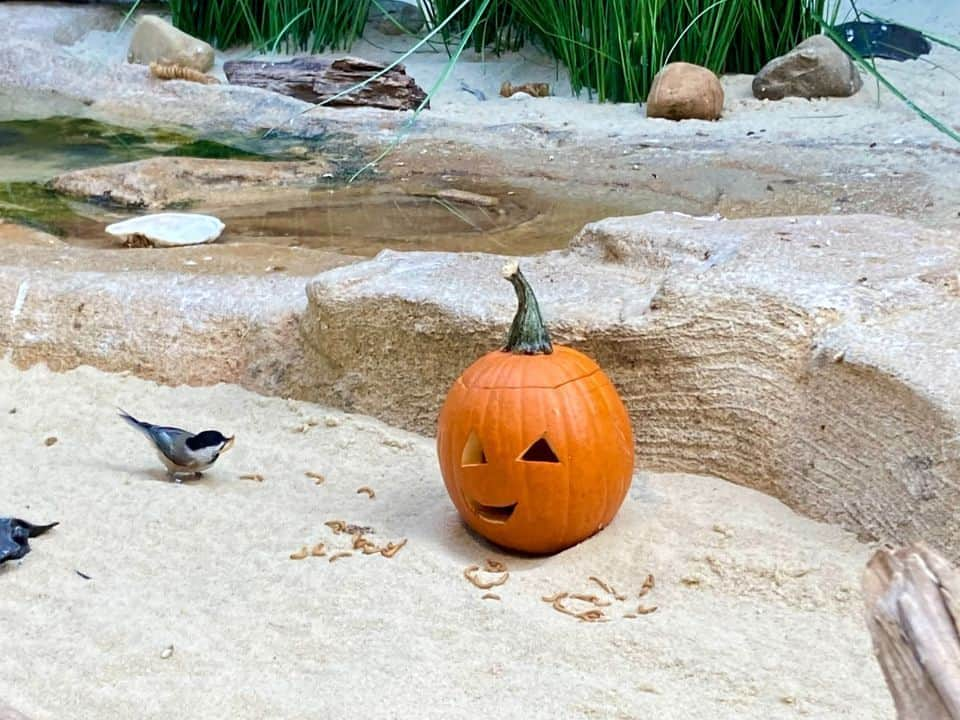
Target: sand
758, 610
874, 114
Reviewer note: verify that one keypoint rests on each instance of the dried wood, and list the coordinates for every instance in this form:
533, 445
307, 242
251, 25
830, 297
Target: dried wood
315, 79
913, 600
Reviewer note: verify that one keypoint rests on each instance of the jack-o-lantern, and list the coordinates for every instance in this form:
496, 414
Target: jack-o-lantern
535, 444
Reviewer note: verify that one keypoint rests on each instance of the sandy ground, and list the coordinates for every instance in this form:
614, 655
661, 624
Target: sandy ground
873, 113
758, 609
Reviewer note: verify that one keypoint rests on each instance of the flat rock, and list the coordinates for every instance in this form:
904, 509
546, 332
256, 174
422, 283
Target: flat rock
173, 181
817, 67
813, 358
156, 40
168, 229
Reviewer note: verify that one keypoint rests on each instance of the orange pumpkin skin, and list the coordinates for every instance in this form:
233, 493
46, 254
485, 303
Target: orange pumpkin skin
497, 410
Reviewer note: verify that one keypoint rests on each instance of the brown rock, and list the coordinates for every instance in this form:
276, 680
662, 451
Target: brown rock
682, 91
165, 181
155, 40
817, 67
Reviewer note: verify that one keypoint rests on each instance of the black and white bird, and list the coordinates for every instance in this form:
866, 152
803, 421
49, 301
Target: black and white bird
181, 451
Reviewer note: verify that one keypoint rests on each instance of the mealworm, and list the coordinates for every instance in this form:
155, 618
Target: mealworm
592, 615
318, 550
253, 476
338, 526
646, 610
180, 72
318, 479
471, 574
299, 554
647, 586
52, 440
494, 566
361, 543
608, 588
369, 491
554, 598
337, 556
490, 596
591, 599
630, 616
392, 548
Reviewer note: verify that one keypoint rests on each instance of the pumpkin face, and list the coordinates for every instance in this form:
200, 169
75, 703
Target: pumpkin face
536, 450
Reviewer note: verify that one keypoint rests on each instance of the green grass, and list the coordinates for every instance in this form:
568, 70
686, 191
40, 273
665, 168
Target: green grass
313, 25
615, 47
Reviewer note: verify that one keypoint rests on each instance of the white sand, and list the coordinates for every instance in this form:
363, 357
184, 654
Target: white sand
759, 610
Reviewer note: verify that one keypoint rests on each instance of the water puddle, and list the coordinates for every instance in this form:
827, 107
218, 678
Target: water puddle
424, 212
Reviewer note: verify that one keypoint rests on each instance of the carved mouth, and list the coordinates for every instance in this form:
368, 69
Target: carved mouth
493, 513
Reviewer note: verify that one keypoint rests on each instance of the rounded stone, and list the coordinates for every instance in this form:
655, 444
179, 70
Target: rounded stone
683, 91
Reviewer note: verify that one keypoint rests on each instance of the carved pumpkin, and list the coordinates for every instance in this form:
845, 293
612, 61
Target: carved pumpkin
535, 444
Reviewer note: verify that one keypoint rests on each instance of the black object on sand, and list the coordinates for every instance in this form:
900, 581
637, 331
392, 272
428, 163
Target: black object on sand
884, 40
15, 535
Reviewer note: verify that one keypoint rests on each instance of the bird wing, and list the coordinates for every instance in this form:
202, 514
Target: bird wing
170, 441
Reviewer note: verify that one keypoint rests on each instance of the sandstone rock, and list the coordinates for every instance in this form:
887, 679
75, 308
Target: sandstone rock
814, 359
175, 328
8, 713
156, 40
165, 181
817, 67
682, 91
168, 229
407, 15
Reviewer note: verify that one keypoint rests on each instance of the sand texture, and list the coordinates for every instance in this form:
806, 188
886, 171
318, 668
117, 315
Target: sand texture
758, 610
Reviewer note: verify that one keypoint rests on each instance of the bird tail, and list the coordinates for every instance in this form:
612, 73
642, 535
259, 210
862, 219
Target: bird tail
134, 423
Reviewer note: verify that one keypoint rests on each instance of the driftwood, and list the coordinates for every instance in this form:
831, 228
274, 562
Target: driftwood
315, 80
913, 601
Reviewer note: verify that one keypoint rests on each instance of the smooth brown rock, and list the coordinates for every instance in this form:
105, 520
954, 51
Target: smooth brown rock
166, 181
315, 80
817, 67
682, 91
156, 40
814, 358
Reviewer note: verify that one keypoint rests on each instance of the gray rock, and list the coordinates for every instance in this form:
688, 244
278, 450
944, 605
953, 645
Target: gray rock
165, 182
814, 359
156, 40
817, 67
406, 14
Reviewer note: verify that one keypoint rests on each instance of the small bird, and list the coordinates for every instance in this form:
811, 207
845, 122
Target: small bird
183, 452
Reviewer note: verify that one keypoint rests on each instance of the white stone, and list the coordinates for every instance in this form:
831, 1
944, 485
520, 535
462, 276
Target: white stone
170, 229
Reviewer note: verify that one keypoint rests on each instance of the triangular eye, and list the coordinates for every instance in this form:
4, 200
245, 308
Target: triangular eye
473, 452
540, 451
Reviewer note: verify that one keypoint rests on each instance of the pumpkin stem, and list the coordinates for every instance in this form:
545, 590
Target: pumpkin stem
528, 335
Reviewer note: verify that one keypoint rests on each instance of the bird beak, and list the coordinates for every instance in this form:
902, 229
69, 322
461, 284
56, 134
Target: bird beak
228, 444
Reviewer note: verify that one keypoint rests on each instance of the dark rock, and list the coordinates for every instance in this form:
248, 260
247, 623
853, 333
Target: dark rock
408, 16
817, 67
